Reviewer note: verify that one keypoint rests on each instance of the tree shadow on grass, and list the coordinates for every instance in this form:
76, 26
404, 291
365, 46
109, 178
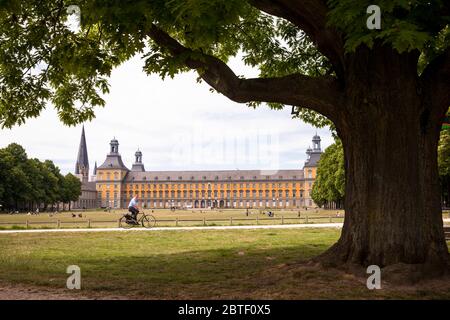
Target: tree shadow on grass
231, 273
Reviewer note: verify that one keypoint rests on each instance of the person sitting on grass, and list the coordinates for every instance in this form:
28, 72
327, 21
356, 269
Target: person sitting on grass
133, 208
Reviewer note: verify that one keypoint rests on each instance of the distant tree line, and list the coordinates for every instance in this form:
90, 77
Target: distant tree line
329, 188
27, 184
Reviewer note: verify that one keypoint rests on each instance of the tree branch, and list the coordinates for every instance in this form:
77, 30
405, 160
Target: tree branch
321, 94
311, 17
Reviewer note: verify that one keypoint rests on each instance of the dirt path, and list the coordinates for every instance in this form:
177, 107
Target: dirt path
30, 292
278, 226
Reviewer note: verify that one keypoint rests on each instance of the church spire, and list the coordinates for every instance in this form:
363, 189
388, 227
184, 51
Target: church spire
82, 165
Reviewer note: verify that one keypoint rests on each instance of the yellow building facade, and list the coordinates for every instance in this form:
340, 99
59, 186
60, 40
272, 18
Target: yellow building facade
116, 185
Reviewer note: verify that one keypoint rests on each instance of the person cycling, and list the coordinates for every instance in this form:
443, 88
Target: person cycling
133, 207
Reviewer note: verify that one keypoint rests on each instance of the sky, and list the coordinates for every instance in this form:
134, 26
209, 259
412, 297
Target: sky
178, 124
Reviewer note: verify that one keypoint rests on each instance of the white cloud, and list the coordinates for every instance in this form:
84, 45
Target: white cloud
177, 124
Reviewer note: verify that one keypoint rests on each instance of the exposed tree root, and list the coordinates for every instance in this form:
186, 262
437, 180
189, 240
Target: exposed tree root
337, 257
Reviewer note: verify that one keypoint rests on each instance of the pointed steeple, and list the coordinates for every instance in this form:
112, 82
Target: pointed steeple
82, 165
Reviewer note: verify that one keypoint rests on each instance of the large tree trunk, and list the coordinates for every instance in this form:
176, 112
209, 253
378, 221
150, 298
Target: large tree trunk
392, 200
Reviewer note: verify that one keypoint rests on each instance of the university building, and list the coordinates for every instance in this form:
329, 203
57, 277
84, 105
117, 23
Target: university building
116, 185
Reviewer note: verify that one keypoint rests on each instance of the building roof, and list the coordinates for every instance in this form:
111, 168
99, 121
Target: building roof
138, 173
82, 158
220, 175
138, 167
113, 161
313, 160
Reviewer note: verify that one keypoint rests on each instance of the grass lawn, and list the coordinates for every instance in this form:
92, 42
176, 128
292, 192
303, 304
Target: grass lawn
234, 264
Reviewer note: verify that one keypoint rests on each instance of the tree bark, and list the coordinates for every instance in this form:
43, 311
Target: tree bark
392, 195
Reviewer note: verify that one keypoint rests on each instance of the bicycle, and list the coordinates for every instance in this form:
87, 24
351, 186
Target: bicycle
146, 220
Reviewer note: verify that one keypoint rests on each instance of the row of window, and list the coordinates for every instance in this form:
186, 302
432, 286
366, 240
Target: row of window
197, 194
216, 204
116, 176
209, 186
